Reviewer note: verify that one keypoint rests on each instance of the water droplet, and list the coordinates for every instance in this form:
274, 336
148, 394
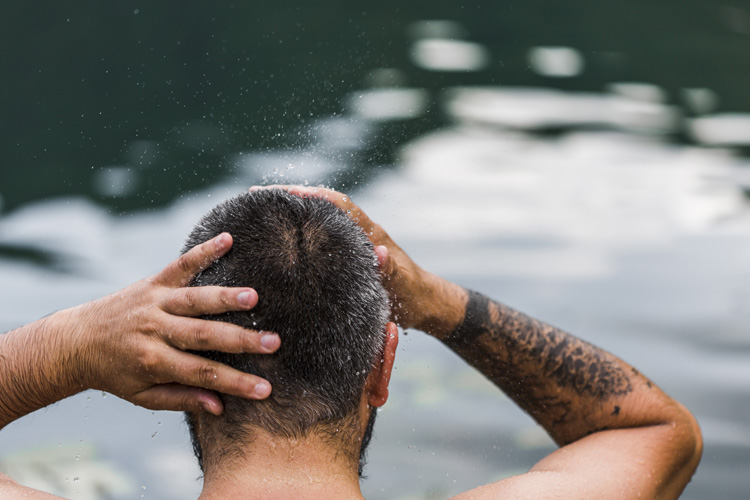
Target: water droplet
75, 479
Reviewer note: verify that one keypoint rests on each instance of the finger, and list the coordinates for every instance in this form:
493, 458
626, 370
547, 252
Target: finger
197, 301
342, 201
381, 252
179, 272
204, 335
307, 191
177, 397
189, 369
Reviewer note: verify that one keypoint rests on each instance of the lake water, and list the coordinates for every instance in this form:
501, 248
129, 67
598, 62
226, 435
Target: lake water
593, 178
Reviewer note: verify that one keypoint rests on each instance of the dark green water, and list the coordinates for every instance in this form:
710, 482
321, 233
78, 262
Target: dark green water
83, 82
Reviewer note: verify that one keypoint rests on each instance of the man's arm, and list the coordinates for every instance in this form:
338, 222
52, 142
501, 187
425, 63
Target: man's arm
132, 344
621, 436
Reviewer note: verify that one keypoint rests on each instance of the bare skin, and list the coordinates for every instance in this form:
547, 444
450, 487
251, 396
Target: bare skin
621, 437
132, 344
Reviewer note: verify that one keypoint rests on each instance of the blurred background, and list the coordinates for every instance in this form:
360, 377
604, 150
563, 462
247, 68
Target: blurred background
587, 164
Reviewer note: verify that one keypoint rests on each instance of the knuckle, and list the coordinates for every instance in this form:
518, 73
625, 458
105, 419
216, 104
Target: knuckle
148, 324
207, 375
190, 299
149, 360
184, 264
202, 336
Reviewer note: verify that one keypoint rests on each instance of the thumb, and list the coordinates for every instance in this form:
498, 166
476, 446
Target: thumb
178, 397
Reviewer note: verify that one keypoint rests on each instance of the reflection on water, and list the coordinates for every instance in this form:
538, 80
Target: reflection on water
615, 209
618, 237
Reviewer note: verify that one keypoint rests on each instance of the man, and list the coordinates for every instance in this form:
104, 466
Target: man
620, 436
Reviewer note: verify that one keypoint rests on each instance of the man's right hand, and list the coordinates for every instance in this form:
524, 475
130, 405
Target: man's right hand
419, 299
133, 344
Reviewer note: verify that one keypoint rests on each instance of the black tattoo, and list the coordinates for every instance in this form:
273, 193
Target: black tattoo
540, 367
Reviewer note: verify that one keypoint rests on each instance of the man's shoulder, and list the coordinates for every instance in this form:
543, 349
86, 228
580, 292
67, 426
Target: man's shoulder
536, 485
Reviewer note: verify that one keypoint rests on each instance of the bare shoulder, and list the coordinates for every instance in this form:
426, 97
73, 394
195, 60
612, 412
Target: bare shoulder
536, 485
623, 464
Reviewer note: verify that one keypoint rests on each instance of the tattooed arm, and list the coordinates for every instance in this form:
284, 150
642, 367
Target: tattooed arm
570, 387
621, 437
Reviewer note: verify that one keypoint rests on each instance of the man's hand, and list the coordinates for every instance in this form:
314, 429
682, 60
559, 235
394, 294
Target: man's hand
620, 436
135, 340
418, 298
133, 344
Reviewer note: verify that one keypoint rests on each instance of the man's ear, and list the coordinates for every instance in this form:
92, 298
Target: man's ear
380, 377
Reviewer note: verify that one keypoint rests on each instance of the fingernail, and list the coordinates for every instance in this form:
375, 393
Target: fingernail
262, 389
220, 241
269, 341
206, 405
245, 298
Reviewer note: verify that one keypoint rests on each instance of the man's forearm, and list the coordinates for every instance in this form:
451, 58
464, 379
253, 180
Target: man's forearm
35, 369
570, 387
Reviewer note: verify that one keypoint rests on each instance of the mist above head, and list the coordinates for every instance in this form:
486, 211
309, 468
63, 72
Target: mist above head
319, 288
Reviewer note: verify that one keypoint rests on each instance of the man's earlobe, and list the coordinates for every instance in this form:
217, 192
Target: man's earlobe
380, 377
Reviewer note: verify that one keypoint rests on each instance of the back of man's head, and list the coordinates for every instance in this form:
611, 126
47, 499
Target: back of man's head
319, 288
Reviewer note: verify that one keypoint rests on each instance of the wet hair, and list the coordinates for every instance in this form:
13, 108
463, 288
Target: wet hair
319, 288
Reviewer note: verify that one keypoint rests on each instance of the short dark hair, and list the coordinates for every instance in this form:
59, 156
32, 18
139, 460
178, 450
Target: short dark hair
319, 288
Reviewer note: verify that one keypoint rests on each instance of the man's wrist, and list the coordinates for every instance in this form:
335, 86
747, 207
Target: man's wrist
66, 332
444, 305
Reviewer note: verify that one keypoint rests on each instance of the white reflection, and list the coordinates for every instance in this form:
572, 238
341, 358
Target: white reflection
530, 108
115, 181
638, 91
700, 100
439, 54
517, 205
287, 167
558, 62
177, 471
726, 129
388, 103
88, 478
340, 133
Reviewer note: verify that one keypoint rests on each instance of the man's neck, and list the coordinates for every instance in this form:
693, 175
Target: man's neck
277, 468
